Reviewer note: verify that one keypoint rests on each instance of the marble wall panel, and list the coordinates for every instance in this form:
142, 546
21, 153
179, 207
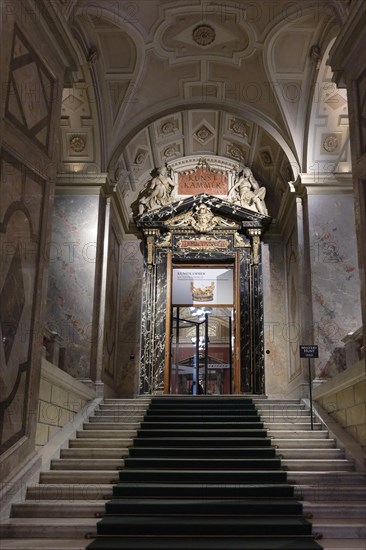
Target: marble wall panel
72, 254
111, 308
20, 238
127, 361
275, 331
30, 92
291, 332
335, 278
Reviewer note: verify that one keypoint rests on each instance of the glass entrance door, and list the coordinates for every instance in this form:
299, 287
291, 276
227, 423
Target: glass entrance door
202, 350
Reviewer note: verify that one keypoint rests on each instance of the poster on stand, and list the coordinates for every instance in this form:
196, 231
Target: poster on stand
202, 286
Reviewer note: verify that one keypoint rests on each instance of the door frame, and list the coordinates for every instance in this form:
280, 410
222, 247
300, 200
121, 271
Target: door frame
235, 265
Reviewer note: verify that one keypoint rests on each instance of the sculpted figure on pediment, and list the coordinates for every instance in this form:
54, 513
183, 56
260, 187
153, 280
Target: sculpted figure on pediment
159, 193
247, 193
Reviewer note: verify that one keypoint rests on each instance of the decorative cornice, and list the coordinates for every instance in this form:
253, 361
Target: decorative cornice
348, 42
82, 184
327, 184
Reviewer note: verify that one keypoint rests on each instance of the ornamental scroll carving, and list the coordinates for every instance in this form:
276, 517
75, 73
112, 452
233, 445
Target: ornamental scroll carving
201, 220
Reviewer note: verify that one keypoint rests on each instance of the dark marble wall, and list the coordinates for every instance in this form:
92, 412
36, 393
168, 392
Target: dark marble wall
72, 254
155, 310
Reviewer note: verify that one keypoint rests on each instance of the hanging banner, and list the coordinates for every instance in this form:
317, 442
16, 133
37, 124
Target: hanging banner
198, 286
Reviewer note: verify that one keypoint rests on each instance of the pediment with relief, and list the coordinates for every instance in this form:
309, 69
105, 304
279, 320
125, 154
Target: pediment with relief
202, 213
192, 178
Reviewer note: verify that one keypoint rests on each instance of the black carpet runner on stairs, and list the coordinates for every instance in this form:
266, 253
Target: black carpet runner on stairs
202, 475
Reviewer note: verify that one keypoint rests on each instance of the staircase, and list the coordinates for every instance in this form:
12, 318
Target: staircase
331, 491
61, 509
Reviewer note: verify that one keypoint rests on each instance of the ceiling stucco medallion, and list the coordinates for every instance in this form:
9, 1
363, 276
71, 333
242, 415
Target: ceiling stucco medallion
235, 152
266, 158
330, 144
203, 134
168, 127
239, 127
77, 143
170, 152
203, 35
140, 157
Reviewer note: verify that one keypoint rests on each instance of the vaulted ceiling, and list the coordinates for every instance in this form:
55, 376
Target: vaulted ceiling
165, 79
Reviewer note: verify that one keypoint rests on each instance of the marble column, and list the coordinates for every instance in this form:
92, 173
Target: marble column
333, 269
76, 283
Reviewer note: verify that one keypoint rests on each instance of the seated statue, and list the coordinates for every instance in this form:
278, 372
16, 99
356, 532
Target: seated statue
159, 193
247, 193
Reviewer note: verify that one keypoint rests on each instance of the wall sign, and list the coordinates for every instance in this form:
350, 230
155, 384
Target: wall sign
204, 243
310, 352
203, 180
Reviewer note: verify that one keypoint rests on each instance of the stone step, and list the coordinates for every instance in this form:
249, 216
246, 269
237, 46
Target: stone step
43, 544
291, 426
63, 528
79, 476
298, 434
327, 479
123, 406
335, 528
279, 417
335, 510
117, 416
69, 492
94, 453
318, 464
343, 544
280, 406
121, 443
94, 433
122, 426
84, 509
79, 544
87, 464
310, 453
306, 443
42, 491
138, 403
335, 493
74, 509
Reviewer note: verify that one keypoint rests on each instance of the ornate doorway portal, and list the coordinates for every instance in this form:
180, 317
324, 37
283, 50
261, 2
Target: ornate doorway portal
202, 322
